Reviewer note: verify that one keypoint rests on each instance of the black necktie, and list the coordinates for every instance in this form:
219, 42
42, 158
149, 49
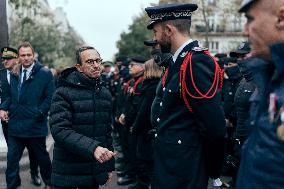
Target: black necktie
25, 75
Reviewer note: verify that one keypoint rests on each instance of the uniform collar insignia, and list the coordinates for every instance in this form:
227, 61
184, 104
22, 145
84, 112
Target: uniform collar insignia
183, 54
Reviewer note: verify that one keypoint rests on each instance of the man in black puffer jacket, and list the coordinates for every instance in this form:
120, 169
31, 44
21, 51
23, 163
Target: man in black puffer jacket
80, 121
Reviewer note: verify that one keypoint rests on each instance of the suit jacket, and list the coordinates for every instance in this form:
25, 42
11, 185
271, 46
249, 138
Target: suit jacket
28, 103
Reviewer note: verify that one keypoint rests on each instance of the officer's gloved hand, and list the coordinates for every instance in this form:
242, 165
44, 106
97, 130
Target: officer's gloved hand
162, 59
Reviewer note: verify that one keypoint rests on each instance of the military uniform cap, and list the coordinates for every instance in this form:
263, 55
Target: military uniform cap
120, 58
139, 60
107, 63
242, 49
126, 62
246, 4
220, 55
227, 60
150, 43
169, 12
8, 53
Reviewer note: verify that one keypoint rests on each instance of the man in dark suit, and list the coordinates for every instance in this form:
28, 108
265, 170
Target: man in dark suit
31, 90
9, 58
189, 143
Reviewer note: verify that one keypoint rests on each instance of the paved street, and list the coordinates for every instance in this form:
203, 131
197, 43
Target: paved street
25, 177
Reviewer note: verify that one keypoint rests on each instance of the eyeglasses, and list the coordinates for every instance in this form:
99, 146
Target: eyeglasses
93, 61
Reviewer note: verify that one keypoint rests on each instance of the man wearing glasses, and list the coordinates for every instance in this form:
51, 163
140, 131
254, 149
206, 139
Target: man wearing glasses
80, 121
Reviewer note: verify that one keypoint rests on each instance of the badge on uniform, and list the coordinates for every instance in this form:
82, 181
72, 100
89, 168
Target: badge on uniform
200, 49
272, 107
184, 54
280, 129
275, 114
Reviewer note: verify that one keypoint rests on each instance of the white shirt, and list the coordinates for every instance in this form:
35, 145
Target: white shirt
180, 49
8, 76
29, 70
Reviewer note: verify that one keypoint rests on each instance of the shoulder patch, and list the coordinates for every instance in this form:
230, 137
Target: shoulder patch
199, 49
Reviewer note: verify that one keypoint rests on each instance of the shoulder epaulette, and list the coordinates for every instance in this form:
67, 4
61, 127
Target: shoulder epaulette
199, 49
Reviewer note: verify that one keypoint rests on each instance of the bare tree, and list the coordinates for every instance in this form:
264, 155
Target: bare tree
3, 24
205, 18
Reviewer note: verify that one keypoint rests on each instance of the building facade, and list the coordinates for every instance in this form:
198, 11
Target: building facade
224, 24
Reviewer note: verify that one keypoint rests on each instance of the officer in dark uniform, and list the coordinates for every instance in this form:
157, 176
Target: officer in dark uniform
121, 94
236, 94
262, 158
127, 118
189, 144
9, 58
107, 76
242, 106
232, 79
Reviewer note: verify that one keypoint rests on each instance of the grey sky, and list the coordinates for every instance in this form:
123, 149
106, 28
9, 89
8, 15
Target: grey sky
100, 22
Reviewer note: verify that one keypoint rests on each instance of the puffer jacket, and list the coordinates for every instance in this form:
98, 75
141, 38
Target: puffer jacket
80, 121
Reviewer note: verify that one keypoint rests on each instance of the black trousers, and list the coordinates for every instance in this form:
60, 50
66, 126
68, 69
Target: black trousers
16, 146
132, 147
33, 160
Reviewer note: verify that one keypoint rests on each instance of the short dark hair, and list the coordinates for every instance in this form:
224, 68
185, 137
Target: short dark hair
80, 50
182, 25
26, 44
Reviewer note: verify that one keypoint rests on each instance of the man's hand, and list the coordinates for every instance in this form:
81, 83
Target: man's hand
103, 154
109, 178
4, 115
122, 119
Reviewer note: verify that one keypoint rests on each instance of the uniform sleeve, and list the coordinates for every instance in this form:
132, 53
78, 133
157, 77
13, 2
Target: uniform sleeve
61, 127
142, 120
129, 111
208, 112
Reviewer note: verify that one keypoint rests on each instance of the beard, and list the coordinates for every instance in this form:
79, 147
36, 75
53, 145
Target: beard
165, 45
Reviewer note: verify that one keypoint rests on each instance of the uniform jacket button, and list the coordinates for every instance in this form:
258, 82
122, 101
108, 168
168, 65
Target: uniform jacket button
158, 119
164, 88
161, 103
156, 135
179, 141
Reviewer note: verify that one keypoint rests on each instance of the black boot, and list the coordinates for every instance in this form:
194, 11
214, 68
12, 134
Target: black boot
35, 179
